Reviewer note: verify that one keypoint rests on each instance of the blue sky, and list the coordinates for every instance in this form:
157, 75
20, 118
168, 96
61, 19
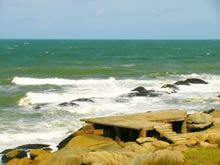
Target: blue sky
109, 19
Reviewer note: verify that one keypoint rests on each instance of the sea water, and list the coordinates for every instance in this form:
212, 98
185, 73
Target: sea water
37, 75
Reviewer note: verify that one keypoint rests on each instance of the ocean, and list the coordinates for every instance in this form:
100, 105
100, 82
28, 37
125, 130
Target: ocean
36, 76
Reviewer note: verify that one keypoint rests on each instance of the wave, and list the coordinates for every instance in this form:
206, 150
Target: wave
55, 81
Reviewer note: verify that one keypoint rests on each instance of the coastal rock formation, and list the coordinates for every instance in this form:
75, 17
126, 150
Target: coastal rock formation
85, 130
191, 81
93, 142
65, 156
13, 154
36, 152
34, 146
199, 121
141, 91
161, 157
23, 161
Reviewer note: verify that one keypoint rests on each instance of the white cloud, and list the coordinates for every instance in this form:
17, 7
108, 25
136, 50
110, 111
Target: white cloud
100, 12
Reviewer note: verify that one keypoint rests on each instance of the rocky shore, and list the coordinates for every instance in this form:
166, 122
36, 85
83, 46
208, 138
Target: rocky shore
87, 146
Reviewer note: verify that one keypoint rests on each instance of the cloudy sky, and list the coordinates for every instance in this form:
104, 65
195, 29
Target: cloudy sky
109, 19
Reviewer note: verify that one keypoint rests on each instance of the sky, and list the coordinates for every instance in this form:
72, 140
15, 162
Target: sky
109, 19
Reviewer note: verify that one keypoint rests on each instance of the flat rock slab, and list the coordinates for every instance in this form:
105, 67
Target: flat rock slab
139, 121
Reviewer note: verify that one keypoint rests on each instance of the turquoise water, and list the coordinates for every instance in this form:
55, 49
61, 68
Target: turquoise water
50, 72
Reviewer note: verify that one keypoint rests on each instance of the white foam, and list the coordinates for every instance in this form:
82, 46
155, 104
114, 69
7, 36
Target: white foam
104, 92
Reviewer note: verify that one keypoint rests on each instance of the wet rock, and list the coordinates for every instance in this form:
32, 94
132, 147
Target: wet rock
82, 100
66, 104
199, 121
191, 81
13, 154
209, 111
39, 106
33, 146
141, 91
64, 141
6, 151
171, 86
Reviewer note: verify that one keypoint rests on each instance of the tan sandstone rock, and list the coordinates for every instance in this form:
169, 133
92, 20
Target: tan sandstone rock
160, 157
108, 158
36, 152
66, 156
208, 145
24, 161
93, 142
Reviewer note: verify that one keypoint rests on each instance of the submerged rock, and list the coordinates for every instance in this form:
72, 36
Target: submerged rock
170, 86
39, 106
199, 121
141, 91
191, 81
82, 100
66, 104
13, 154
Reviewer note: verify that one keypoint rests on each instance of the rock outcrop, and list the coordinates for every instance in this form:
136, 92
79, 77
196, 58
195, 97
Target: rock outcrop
23, 161
199, 121
13, 154
191, 81
161, 157
93, 142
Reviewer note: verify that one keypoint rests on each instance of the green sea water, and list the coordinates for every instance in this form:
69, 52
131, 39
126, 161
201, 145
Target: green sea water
103, 59
50, 72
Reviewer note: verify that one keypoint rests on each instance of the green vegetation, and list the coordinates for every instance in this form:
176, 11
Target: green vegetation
203, 156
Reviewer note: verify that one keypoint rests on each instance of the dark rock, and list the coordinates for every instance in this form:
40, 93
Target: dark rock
19, 154
64, 141
6, 151
219, 96
191, 81
65, 104
82, 100
170, 86
209, 111
38, 106
141, 91
33, 146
